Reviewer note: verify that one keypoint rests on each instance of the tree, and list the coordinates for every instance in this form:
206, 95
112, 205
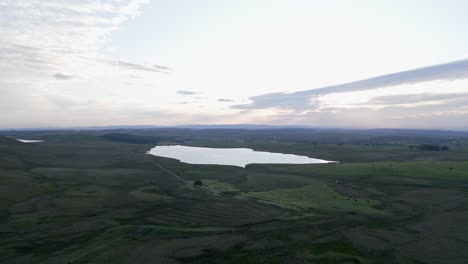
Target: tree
198, 183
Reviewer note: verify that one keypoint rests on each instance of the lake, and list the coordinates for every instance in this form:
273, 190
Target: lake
29, 140
229, 156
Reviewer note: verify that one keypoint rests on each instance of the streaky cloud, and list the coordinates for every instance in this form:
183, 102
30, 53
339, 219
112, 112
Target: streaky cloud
225, 100
416, 98
186, 92
135, 66
163, 68
61, 76
303, 100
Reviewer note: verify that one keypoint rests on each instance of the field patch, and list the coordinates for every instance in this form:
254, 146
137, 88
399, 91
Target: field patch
214, 186
317, 196
16, 186
225, 213
150, 194
258, 181
441, 170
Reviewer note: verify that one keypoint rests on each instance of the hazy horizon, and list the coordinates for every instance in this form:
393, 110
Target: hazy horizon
339, 64
251, 126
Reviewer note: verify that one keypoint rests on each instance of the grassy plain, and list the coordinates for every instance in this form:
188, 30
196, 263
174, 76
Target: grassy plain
80, 197
317, 196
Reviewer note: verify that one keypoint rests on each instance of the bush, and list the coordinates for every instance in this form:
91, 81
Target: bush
198, 183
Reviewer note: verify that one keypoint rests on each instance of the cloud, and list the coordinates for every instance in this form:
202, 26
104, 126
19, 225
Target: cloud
67, 110
186, 92
450, 114
43, 37
61, 76
307, 99
225, 100
416, 98
43, 41
137, 67
163, 68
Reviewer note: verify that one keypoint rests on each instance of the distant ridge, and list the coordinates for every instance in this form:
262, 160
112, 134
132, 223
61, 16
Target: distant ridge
87, 128
195, 126
233, 126
242, 126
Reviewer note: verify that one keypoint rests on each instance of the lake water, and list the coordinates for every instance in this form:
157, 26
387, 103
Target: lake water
229, 156
29, 140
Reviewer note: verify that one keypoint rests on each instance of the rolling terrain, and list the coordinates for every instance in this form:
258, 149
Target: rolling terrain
96, 197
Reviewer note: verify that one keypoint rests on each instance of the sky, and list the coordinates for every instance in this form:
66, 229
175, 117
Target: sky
349, 64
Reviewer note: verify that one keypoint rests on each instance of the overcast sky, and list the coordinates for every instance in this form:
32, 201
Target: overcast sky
354, 64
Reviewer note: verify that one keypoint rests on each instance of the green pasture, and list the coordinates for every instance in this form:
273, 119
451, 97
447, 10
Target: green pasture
317, 196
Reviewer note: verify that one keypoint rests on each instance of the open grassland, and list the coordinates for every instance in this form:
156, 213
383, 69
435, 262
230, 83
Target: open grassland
442, 170
85, 198
214, 186
318, 196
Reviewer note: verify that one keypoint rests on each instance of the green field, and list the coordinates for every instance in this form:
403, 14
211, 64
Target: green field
318, 196
83, 197
441, 170
214, 186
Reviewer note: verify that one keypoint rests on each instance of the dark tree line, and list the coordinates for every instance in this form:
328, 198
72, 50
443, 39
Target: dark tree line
429, 147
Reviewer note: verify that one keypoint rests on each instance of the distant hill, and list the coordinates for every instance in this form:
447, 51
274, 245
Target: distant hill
84, 128
242, 126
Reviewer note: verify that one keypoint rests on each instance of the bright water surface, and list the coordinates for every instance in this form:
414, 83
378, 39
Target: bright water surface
229, 156
29, 140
